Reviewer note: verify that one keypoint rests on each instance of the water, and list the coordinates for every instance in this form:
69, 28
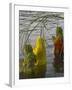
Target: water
25, 19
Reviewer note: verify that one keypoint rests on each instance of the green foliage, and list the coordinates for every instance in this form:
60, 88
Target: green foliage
28, 48
30, 58
59, 31
53, 38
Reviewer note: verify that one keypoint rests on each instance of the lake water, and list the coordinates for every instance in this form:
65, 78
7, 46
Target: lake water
50, 20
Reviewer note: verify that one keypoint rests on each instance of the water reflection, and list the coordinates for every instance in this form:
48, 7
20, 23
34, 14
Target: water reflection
38, 71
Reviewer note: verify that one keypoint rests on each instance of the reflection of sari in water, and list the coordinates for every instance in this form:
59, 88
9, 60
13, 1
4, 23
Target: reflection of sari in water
58, 53
58, 48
